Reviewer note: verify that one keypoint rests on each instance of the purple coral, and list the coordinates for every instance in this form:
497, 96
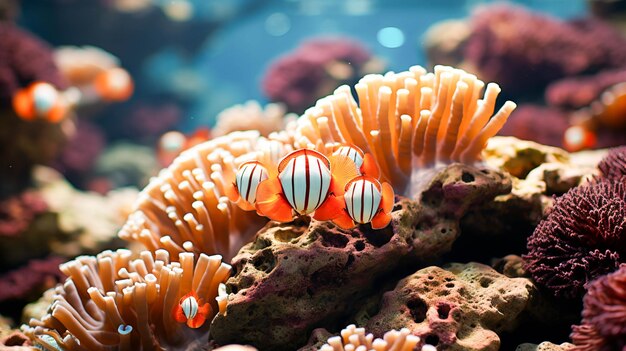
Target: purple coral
580, 92
23, 60
613, 165
82, 150
32, 279
18, 211
582, 238
524, 51
299, 78
603, 326
544, 125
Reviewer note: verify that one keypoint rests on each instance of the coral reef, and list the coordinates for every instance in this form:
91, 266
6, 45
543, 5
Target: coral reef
146, 121
578, 92
123, 164
545, 125
582, 238
508, 42
314, 69
113, 301
613, 166
602, 327
461, 307
545, 346
30, 280
251, 116
296, 276
18, 211
79, 155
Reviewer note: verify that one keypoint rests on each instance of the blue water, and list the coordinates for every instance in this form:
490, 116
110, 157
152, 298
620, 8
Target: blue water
209, 70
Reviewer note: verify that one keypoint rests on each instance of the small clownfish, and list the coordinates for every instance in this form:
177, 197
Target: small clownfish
114, 84
306, 180
40, 100
172, 143
366, 200
365, 163
243, 190
191, 310
578, 138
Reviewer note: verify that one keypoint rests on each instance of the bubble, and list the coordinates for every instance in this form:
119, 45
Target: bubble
277, 24
390, 37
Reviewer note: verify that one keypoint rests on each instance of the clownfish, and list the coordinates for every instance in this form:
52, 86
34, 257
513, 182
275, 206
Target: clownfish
243, 190
578, 138
172, 143
191, 310
40, 100
306, 180
114, 84
366, 200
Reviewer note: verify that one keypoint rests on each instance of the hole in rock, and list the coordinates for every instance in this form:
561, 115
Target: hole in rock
334, 239
432, 339
359, 245
444, 310
434, 195
378, 237
264, 261
485, 282
467, 177
418, 309
450, 285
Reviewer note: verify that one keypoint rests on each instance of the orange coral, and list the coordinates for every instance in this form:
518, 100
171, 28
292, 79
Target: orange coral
112, 302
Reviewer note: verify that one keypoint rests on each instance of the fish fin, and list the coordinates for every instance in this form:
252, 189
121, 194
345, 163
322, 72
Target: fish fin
330, 208
245, 205
343, 170
57, 112
271, 203
381, 220
231, 192
197, 321
344, 221
370, 167
388, 198
178, 314
23, 105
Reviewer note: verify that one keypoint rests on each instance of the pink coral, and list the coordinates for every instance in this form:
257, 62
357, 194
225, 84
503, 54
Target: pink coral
613, 165
577, 92
524, 51
582, 238
313, 70
82, 150
31, 279
604, 313
17, 212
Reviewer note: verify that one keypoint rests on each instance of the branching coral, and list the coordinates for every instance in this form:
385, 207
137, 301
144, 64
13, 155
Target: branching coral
33, 278
111, 302
251, 116
582, 238
353, 338
313, 70
613, 165
407, 119
185, 207
604, 313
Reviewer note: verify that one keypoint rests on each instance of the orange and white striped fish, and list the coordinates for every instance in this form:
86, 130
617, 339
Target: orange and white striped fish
40, 100
243, 190
191, 310
305, 181
366, 200
114, 84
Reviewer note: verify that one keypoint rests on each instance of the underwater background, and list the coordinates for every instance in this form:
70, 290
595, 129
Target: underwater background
160, 161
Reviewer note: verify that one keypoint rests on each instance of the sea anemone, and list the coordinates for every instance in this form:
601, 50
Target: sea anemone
313, 70
112, 302
582, 238
613, 165
405, 119
604, 312
251, 116
185, 207
353, 338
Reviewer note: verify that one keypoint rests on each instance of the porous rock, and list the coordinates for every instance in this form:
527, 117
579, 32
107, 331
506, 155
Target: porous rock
461, 307
303, 275
545, 346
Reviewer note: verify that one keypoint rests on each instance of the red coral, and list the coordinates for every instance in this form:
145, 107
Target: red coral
613, 165
524, 51
582, 238
603, 327
299, 78
544, 125
32, 279
17, 212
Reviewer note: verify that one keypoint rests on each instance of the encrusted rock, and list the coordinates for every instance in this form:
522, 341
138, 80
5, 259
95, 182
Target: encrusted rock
545, 346
461, 307
511, 265
299, 276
